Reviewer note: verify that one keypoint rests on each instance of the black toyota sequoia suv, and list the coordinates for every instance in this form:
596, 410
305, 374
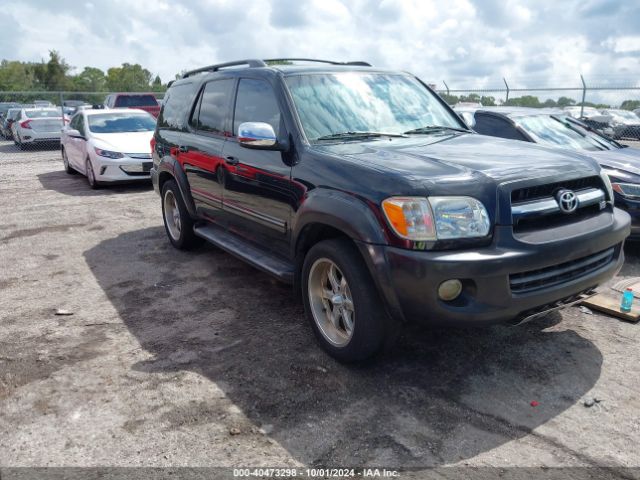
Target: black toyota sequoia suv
364, 190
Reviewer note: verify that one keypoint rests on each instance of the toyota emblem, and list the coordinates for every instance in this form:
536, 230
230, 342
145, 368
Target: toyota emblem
567, 201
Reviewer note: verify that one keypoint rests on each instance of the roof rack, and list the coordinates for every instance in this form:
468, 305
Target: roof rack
218, 66
330, 62
263, 63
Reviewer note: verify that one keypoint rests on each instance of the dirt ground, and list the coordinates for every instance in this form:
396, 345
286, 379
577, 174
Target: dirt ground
196, 359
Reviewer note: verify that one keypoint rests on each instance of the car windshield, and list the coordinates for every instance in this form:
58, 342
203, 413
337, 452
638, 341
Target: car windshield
136, 101
118, 123
42, 113
547, 130
333, 104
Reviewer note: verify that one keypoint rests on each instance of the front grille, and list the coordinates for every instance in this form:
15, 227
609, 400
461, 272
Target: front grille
532, 280
547, 190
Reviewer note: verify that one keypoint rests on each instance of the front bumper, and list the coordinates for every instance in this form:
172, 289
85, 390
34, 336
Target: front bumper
409, 279
124, 169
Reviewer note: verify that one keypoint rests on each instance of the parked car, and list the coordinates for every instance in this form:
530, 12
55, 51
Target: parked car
37, 126
7, 122
557, 129
366, 191
43, 104
592, 117
5, 106
625, 123
141, 101
108, 146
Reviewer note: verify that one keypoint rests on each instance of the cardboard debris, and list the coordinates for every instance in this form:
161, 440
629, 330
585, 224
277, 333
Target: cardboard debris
611, 305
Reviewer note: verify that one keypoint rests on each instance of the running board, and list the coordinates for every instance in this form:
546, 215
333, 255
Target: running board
246, 251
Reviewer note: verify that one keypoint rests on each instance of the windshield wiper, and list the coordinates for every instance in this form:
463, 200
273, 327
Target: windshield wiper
348, 135
434, 128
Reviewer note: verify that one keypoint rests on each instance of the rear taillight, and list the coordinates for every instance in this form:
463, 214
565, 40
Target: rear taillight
153, 144
66, 120
26, 124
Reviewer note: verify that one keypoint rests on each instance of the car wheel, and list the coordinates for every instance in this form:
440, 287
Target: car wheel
342, 303
91, 176
177, 221
65, 161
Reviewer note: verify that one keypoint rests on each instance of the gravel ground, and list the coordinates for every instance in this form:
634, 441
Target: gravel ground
195, 359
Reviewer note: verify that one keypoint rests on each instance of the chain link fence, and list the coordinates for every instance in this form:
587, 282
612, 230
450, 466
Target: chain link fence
34, 120
608, 104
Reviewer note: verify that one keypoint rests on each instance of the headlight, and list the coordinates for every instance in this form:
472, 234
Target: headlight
108, 153
629, 190
436, 218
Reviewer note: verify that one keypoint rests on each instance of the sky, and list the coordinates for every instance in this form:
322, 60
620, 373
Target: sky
467, 43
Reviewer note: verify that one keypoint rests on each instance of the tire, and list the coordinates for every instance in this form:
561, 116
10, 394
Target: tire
369, 322
91, 176
177, 221
65, 161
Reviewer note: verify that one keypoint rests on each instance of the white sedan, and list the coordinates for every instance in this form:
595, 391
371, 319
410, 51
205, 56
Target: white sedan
37, 125
108, 145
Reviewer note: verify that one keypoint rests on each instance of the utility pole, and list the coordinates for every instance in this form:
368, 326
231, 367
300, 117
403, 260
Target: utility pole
506, 85
584, 94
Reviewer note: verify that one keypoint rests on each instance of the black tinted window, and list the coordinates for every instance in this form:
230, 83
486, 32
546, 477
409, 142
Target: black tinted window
256, 102
136, 101
177, 102
496, 127
214, 106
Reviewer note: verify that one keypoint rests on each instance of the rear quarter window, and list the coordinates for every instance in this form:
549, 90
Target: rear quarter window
176, 105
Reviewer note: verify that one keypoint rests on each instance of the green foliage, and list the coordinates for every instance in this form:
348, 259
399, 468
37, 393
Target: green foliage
56, 74
630, 104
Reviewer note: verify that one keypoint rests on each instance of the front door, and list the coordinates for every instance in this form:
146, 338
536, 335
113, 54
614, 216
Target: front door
257, 184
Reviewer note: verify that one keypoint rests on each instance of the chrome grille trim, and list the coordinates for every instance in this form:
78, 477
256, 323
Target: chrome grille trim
549, 205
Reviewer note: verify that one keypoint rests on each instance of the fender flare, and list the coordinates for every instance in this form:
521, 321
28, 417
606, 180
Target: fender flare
353, 217
169, 165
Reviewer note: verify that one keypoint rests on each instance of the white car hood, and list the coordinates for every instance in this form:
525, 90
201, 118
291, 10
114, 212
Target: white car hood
129, 142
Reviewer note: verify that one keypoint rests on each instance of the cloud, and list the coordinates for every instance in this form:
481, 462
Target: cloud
467, 43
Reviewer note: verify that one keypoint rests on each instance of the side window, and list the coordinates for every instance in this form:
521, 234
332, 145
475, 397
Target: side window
81, 128
73, 124
496, 127
256, 102
178, 101
212, 111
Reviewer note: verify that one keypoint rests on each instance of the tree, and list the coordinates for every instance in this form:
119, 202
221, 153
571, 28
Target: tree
90, 80
128, 78
630, 104
524, 101
565, 102
53, 75
157, 86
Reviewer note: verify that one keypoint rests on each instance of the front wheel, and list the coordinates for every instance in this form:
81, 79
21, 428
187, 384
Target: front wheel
91, 176
342, 303
65, 161
177, 221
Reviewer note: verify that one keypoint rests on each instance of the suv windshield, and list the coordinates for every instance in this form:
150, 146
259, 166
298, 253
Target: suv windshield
42, 113
136, 101
551, 131
338, 103
118, 123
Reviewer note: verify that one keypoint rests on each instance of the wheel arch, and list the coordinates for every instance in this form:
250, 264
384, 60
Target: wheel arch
170, 169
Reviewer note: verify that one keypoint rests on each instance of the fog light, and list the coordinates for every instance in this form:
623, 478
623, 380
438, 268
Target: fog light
449, 290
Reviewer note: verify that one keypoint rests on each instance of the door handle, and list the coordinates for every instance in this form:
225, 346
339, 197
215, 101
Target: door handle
183, 148
232, 160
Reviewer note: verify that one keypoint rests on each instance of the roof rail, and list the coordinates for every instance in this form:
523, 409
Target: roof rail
218, 66
330, 62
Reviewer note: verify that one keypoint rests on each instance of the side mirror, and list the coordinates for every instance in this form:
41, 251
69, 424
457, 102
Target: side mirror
258, 135
73, 133
468, 118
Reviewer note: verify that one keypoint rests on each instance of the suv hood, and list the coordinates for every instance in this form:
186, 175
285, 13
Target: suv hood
129, 142
426, 156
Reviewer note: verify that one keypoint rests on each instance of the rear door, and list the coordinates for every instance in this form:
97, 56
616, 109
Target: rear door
257, 183
201, 146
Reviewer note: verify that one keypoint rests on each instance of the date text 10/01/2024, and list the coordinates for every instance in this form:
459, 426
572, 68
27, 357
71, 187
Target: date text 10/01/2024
315, 472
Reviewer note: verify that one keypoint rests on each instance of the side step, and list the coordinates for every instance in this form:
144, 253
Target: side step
244, 250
